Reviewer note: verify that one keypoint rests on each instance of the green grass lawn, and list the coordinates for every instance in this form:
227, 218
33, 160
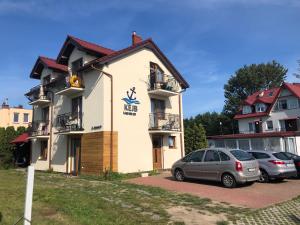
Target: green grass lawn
59, 199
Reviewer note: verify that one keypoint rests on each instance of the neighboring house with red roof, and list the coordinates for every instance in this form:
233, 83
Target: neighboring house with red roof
99, 109
268, 119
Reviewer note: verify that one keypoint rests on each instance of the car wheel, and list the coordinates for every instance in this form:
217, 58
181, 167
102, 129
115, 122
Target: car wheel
264, 177
228, 181
280, 179
179, 176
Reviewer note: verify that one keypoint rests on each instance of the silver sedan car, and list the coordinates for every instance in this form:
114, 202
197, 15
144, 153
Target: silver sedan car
228, 166
274, 165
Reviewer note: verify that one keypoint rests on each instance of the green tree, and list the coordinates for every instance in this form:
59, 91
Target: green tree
249, 79
6, 149
194, 137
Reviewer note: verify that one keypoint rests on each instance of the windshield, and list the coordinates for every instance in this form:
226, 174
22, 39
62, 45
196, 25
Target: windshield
281, 155
242, 155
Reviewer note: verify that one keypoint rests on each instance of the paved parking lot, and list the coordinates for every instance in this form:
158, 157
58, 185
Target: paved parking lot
257, 195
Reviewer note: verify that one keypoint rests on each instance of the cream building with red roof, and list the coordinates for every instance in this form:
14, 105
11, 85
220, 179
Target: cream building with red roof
97, 109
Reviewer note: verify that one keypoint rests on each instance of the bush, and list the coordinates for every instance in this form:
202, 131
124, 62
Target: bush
6, 149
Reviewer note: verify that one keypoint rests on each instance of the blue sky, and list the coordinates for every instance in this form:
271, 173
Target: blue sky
207, 40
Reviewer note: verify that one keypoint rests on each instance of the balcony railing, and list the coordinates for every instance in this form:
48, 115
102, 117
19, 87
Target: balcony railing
69, 122
38, 95
163, 83
71, 85
164, 122
39, 128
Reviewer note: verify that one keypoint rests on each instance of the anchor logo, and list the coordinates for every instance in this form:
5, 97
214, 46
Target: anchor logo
130, 99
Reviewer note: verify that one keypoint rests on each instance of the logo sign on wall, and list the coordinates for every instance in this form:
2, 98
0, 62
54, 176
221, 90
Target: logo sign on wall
131, 103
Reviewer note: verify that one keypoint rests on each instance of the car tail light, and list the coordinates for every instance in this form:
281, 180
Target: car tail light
238, 166
277, 162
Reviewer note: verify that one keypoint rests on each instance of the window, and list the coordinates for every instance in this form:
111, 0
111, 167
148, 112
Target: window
197, 156
292, 103
257, 144
247, 109
260, 155
16, 117
230, 144
219, 144
241, 155
211, 156
260, 107
270, 125
76, 65
244, 144
251, 127
44, 150
46, 79
172, 142
281, 155
282, 104
223, 156
25, 117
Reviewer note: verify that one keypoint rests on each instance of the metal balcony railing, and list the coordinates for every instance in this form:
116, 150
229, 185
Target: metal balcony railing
164, 122
38, 92
159, 81
68, 122
39, 128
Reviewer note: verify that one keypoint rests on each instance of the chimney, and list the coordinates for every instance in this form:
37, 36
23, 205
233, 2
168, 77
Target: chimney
5, 104
136, 38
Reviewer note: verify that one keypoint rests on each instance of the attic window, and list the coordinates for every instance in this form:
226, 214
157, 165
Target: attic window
76, 65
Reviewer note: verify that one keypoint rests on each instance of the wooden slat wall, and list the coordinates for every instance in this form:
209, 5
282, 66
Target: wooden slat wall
95, 152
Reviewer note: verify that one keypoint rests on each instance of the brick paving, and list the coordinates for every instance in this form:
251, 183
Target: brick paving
287, 213
255, 196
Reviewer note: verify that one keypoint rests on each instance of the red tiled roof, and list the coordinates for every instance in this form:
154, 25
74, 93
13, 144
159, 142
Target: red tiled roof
256, 135
146, 43
293, 87
48, 62
266, 96
23, 138
51, 63
92, 46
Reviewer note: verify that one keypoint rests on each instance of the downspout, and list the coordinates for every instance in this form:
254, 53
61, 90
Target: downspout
111, 113
50, 131
181, 121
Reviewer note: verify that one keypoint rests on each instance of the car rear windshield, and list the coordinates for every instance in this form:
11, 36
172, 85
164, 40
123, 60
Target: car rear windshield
242, 155
281, 155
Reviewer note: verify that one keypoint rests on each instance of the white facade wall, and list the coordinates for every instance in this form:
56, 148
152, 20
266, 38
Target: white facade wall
134, 140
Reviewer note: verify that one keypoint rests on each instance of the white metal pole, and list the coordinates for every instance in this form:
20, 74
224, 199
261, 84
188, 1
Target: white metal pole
29, 192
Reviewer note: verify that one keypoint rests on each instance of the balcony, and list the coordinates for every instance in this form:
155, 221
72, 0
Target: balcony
163, 85
69, 123
164, 123
39, 129
38, 96
72, 85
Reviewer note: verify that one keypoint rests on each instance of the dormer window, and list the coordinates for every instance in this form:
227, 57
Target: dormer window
247, 109
76, 65
260, 107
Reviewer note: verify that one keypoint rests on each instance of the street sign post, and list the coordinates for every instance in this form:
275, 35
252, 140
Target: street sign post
29, 193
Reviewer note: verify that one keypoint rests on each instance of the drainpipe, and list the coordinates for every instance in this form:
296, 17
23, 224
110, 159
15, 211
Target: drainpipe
50, 125
181, 121
110, 76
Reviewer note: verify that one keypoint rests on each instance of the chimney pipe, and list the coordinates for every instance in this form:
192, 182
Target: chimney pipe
136, 38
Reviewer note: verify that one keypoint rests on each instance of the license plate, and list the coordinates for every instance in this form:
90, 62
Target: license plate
251, 169
290, 165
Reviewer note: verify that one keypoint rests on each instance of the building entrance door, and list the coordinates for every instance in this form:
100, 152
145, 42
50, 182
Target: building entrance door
157, 152
75, 156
